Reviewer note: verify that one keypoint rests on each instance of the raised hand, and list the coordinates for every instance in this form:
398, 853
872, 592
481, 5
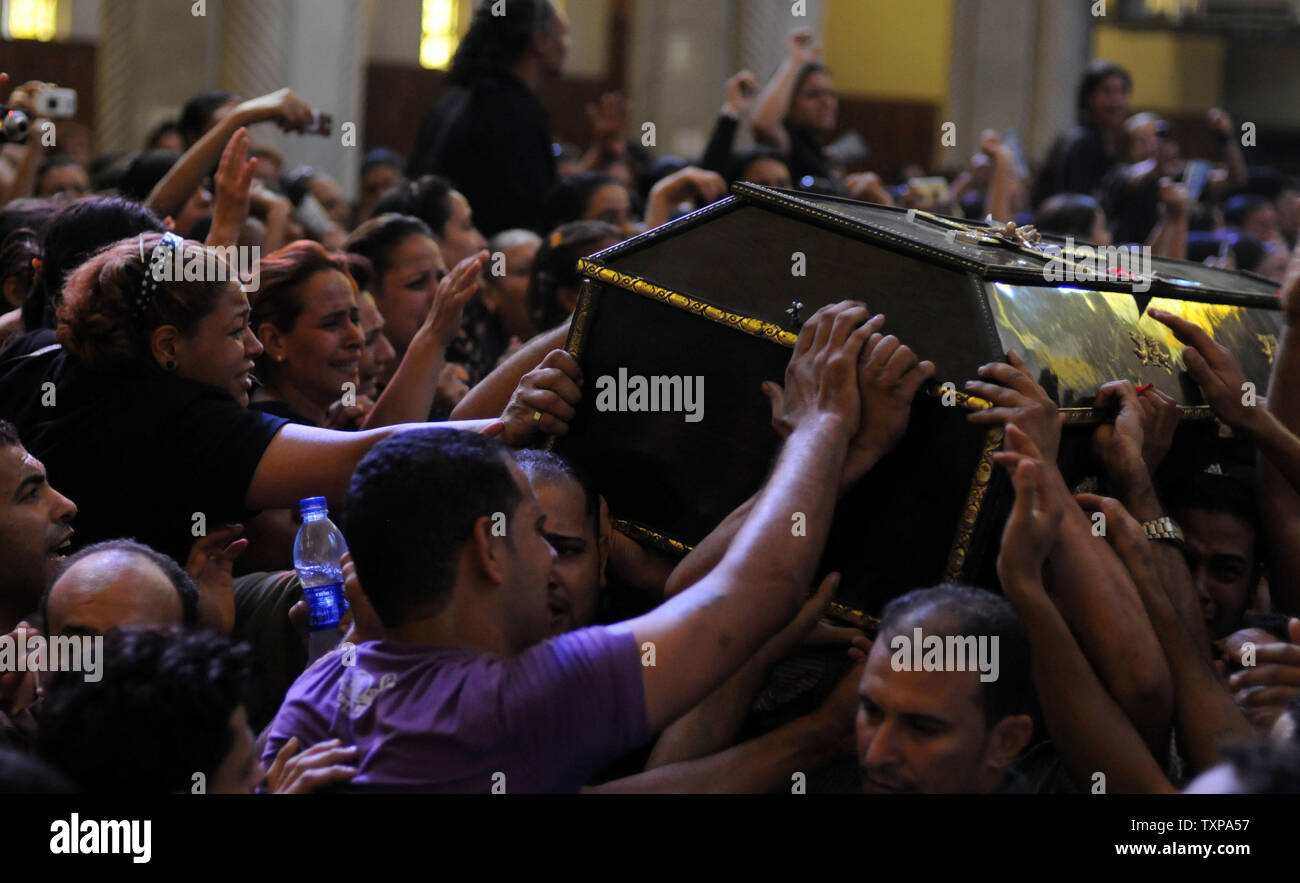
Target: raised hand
821, 379
607, 118
1031, 531
545, 401
742, 89
889, 377
18, 688
290, 112
1263, 691
233, 184
452, 295
1017, 398
1119, 444
1215, 371
867, 187
341, 416
802, 47
452, 386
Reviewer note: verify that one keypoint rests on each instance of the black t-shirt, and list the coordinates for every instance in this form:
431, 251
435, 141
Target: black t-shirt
1077, 164
139, 451
1133, 210
493, 141
806, 155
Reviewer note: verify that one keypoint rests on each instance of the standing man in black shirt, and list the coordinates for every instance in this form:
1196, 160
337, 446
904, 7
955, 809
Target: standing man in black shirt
1082, 157
490, 134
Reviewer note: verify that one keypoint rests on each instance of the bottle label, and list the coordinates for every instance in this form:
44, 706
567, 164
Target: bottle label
327, 605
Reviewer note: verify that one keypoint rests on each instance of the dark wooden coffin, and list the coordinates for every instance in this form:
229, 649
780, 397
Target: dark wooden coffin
720, 293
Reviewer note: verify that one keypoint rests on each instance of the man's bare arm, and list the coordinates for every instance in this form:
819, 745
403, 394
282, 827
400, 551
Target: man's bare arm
703, 635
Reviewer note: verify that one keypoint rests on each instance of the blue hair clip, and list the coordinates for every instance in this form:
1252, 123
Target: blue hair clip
163, 253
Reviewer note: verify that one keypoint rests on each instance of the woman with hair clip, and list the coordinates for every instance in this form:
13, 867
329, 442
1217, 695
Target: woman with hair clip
141, 413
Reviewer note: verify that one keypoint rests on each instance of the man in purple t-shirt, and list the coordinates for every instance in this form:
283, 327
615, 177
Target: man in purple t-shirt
464, 693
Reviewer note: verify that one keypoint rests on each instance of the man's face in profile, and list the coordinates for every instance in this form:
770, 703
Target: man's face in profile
35, 524
530, 559
919, 731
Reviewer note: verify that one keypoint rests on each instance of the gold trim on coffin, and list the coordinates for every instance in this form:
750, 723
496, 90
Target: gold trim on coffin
970, 513
637, 285
755, 327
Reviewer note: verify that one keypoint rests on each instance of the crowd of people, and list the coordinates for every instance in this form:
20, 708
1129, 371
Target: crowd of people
402, 355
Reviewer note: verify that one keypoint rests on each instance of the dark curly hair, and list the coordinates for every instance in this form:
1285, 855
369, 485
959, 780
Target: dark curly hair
556, 267
160, 713
97, 318
427, 198
70, 237
495, 42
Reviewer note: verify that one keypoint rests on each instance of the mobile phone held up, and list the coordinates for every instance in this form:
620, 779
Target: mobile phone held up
321, 124
56, 103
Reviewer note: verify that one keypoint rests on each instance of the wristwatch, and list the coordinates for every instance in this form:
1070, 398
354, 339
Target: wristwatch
1164, 529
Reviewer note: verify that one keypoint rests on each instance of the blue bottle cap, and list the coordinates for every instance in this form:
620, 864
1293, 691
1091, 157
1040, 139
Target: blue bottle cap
313, 504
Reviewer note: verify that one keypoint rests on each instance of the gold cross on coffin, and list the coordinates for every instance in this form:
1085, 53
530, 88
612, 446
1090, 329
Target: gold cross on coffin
1147, 348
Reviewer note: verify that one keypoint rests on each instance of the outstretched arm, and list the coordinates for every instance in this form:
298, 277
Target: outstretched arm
1108, 621
1220, 378
490, 395
1206, 715
408, 398
170, 194
774, 103
703, 635
1279, 503
889, 376
1088, 727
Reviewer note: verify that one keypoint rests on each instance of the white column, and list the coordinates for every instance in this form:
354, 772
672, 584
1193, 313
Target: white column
1015, 66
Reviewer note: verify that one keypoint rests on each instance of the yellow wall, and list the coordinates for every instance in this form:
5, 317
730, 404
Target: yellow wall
1171, 72
890, 48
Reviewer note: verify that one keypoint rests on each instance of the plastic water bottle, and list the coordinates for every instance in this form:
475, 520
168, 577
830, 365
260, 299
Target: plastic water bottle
318, 558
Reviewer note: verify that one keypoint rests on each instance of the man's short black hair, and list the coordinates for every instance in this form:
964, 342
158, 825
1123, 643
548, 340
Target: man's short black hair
411, 507
160, 713
1231, 492
181, 581
8, 435
1097, 72
954, 610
